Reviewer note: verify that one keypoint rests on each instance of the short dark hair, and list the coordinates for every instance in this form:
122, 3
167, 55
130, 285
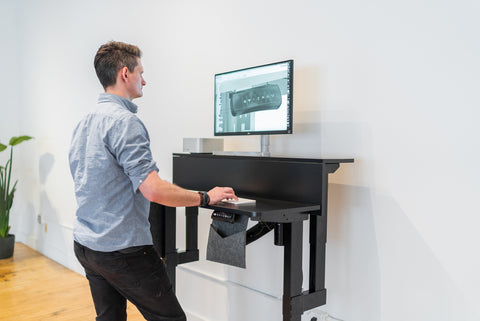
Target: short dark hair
113, 56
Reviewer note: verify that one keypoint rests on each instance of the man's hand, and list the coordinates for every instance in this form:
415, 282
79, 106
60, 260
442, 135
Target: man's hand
220, 193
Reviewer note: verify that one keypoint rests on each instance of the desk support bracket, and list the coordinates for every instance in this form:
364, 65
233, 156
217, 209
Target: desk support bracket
289, 235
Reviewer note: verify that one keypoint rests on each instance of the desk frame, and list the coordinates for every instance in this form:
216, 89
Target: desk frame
288, 228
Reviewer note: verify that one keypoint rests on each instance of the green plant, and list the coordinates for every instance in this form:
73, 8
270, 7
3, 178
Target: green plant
7, 193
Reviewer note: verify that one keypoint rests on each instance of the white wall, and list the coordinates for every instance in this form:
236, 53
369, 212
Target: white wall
392, 84
9, 116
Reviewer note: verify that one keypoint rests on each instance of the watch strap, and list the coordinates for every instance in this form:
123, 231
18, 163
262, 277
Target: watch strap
204, 198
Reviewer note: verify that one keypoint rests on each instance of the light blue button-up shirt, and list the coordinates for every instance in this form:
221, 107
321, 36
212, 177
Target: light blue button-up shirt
109, 158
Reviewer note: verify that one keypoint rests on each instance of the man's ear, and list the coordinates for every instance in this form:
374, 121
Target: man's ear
124, 73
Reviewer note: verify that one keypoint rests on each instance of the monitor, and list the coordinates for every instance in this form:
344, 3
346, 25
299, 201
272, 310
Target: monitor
254, 101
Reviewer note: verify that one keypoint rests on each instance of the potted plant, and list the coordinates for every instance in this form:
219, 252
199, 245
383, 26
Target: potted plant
7, 192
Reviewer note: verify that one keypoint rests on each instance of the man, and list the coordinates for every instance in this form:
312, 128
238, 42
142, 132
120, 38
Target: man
115, 180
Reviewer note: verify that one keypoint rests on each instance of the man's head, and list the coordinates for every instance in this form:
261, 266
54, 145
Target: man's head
117, 59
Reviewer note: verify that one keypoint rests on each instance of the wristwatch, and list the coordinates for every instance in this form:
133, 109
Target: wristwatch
204, 198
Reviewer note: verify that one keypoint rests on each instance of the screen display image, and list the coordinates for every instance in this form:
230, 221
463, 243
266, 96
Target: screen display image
256, 100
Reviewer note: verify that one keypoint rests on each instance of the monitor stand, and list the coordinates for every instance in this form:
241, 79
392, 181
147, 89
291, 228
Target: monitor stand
265, 145
264, 149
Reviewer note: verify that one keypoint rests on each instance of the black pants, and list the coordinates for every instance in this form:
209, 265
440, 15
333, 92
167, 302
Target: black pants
137, 275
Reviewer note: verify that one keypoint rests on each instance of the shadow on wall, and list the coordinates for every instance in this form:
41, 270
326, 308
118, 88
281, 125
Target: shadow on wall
53, 232
47, 212
45, 166
329, 140
352, 268
48, 237
31, 221
379, 266
412, 276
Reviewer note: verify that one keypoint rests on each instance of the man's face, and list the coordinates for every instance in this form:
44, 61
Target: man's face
136, 81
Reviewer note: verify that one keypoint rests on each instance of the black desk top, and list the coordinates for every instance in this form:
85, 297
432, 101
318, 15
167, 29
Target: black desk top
268, 159
268, 210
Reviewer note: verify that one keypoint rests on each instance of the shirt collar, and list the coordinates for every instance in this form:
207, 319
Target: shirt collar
105, 97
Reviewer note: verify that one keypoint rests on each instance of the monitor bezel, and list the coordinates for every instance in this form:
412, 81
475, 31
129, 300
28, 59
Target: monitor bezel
288, 130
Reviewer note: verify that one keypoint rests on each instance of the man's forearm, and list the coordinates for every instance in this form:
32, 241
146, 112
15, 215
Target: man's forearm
160, 191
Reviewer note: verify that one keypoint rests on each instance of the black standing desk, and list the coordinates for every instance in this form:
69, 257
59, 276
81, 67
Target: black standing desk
287, 192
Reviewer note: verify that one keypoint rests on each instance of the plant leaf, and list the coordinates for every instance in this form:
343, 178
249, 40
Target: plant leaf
17, 140
2, 147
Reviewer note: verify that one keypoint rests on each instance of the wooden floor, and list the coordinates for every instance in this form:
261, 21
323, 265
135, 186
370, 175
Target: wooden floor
33, 287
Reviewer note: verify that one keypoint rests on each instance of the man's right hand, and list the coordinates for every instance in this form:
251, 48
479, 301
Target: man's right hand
217, 194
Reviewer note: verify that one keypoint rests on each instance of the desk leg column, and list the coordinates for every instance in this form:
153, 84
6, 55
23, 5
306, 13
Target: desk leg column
169, 232
191, 229
163, 228
318, 239
292, 271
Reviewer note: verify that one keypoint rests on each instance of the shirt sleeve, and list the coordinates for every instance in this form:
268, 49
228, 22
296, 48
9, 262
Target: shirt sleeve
130, 144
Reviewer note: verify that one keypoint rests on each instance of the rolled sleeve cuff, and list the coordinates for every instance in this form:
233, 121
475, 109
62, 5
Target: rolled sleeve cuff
138, 179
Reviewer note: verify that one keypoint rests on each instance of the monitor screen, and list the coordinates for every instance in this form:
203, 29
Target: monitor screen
256, 100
